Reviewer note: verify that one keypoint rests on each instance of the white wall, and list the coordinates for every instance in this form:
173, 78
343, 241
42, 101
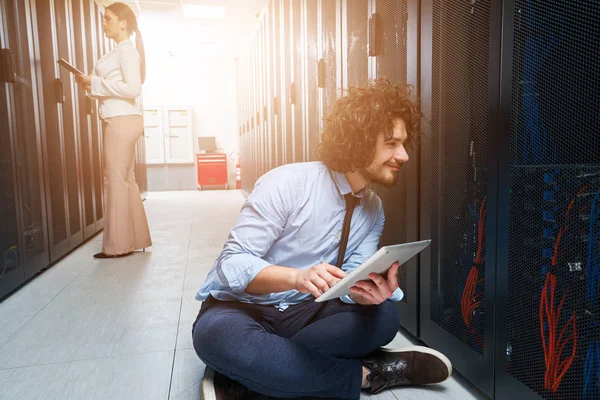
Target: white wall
184, 69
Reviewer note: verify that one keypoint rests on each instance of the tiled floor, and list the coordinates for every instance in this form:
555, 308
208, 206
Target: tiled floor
120, 329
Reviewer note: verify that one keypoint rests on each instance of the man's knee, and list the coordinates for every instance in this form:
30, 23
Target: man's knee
217, 340
208, 332
388, 320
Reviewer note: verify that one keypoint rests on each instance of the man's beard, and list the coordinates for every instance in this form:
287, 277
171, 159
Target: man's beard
381, 175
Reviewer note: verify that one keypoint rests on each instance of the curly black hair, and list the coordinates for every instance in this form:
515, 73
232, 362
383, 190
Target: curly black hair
350, 133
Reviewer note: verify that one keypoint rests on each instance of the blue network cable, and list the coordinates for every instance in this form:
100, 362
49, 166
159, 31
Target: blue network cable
593, 272
535, 140
591, 366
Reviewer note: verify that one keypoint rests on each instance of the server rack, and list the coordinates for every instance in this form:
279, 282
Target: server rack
297, 94
459, 91
549, 230
51, 98
328, 66
286, 107
98, 51
12, 272
85, 132
70, 122
393, 45
355, 46
31, 249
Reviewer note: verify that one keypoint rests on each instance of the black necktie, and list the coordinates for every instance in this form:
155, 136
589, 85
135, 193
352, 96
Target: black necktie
350, 204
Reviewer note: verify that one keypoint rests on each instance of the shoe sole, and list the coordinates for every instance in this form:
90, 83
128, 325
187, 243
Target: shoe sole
426, 350
208, 386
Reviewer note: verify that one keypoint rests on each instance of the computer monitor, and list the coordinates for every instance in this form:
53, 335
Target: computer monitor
207, 143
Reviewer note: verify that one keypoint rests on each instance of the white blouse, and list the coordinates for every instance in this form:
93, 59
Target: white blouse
117, 81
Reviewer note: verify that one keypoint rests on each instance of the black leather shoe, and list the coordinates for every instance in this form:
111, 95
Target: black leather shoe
102, 255
216, 386
407, 366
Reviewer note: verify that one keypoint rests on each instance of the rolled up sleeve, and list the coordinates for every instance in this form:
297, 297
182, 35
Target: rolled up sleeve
262, 220
366, 249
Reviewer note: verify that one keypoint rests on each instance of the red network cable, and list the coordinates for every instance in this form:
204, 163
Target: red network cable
554, 346
563, 229
471, 301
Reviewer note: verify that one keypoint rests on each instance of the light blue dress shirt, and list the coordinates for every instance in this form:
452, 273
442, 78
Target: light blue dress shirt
294, 218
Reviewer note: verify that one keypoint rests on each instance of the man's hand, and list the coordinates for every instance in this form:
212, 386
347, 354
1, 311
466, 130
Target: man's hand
378, 290
318, 279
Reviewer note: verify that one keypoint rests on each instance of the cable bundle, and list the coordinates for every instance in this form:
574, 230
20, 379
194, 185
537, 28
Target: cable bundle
470, 300
554, 345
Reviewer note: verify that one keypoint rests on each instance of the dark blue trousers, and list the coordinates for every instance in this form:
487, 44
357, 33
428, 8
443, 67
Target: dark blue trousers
309, 350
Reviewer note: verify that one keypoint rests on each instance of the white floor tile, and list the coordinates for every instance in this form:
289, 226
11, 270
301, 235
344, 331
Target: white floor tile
140, 376
188, 371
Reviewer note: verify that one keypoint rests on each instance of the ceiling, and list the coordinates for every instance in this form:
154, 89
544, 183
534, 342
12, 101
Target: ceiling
230, 36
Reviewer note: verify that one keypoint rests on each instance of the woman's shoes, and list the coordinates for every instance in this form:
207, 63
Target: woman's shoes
102, 255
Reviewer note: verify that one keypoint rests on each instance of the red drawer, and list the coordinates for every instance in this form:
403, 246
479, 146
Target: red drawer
211, 170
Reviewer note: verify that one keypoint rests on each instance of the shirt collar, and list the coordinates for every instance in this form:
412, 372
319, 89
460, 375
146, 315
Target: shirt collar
344, 186
123, 43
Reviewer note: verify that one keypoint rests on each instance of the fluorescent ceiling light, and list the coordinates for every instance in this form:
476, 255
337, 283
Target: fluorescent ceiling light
194, 11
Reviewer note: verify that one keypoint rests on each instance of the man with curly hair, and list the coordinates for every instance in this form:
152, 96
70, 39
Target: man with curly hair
259, 329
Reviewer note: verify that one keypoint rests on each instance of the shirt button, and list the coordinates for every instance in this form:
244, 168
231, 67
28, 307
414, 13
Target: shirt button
337, 236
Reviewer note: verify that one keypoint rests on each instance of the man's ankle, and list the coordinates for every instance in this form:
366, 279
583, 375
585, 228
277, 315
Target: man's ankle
365, 382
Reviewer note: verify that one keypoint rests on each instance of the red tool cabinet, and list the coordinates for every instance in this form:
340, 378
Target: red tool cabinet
211, 171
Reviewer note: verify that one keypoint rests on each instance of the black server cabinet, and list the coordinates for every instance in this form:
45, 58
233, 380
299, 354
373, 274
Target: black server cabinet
297, 93
12, 272
50, 95
256, 134
393, 39
549, 225
459, 87
252, 118
311, 108
286, 100
96, 22
70, 121
355, 44
82, 37
329, 67
61, 145
260, 125
265, 125
273, 76
24, 127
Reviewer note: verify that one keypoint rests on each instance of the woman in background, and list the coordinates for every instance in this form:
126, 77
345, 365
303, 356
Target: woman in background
117, 83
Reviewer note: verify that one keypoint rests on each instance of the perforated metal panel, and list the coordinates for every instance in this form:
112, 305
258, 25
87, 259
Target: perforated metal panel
392, 57
357, 20
553, 325
459, 168
298, 78
391, 61
311, 104
329, 36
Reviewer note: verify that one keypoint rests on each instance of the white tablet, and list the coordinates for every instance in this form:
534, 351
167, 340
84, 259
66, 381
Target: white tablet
378, 263
65, 64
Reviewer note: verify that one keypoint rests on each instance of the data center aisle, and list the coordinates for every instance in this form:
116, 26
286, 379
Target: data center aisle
120, 329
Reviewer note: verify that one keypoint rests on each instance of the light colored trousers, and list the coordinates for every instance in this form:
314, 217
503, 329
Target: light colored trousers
125, 224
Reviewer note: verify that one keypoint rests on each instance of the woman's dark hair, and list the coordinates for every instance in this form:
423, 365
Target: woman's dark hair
350, 133
124, 13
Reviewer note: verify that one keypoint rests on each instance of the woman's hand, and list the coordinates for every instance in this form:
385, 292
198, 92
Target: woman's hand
378, 290
85, 81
